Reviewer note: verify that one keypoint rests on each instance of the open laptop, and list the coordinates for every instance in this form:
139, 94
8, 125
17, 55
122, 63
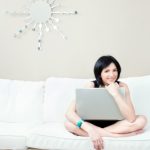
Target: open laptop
97, 104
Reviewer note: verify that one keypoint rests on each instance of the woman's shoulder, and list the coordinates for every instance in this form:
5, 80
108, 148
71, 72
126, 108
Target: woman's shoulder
89, 84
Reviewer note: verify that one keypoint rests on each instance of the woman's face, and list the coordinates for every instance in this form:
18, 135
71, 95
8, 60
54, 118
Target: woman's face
109, 74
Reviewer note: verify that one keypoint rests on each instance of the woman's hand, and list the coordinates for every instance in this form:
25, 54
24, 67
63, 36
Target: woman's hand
96, 139
113, 89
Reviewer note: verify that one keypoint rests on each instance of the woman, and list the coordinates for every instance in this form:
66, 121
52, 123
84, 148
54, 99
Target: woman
107, 72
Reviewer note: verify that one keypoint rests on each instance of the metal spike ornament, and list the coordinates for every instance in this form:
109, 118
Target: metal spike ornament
40, 16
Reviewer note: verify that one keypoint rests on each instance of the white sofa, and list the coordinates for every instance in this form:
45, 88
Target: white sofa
32, 115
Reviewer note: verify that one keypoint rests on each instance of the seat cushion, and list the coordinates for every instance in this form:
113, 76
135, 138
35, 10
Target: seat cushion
55, 136
13, 135
4, 98
137, 142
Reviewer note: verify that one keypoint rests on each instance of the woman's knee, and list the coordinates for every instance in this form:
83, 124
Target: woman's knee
138, 124
70, 127
66, 125
142, 121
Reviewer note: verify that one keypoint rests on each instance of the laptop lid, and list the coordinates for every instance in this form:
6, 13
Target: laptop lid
97, 104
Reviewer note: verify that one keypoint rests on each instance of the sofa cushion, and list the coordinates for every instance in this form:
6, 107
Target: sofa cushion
13, 135
55, 136
140, 93
58, 94
138, 142
4, 98
21, 101
60, 91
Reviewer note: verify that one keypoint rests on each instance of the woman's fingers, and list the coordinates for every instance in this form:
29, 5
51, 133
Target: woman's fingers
96, 139
102, 143
98, 144
116, 84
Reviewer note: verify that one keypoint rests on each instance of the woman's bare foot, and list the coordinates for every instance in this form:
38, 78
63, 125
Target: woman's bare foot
139, 131
105, 133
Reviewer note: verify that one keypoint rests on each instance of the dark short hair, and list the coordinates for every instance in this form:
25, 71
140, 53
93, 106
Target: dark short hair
102, 63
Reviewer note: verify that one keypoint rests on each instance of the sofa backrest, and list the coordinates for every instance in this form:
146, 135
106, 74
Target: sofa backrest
58, 94
60, 91
21, 101
4, 98
140, 93
25, 101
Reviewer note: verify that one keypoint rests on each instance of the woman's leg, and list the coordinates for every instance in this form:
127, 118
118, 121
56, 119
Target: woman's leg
74, 129
104, 133
123, 127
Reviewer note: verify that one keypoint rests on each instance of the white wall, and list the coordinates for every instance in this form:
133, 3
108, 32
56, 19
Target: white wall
117, 27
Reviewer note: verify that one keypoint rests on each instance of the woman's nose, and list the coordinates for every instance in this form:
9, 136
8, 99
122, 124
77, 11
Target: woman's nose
111, 74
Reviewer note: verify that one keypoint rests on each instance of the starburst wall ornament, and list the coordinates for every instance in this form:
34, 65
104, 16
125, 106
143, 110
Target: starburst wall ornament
40, 16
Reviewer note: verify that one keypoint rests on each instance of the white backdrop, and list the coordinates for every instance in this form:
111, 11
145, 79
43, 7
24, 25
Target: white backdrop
117, 27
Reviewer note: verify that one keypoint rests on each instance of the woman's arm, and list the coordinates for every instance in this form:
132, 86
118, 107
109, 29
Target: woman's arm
73, 117
71, 113
124, 103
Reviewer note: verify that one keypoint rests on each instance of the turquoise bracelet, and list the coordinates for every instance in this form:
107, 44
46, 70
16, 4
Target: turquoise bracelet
79, 123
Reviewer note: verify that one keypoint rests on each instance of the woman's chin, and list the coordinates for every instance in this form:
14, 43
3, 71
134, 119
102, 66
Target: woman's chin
110, 82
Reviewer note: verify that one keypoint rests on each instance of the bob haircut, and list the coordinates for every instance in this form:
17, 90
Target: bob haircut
102, 63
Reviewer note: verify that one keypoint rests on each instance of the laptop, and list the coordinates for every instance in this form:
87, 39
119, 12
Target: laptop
97, 104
